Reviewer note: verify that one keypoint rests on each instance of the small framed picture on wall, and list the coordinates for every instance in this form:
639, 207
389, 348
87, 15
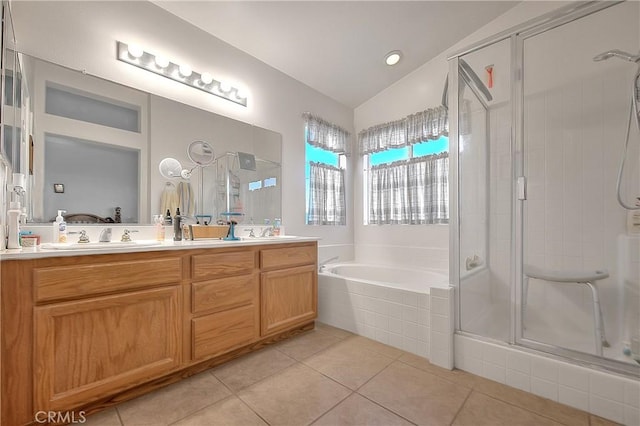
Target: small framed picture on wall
58, 188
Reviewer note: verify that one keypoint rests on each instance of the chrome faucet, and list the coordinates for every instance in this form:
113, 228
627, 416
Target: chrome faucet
105, 235
251, 233
323, 265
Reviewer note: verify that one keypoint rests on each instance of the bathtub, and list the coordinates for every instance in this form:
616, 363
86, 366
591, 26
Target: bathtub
389, 304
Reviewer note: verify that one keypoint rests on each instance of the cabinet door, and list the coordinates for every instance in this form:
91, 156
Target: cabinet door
289, 298
88, 349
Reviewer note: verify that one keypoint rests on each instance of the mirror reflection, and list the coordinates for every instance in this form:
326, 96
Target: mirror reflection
97, 147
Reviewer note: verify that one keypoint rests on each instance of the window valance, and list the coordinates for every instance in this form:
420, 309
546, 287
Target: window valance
415, 128
325, 135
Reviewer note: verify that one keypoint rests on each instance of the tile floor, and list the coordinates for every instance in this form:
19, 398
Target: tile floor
331, 377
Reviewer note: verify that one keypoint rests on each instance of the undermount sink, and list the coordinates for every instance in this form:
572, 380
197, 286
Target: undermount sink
279, 237
99, 246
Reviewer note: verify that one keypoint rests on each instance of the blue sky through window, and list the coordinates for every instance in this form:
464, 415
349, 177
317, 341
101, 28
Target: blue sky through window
419, 150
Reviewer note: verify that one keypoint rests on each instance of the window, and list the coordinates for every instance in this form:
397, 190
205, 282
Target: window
72, 103
325, 163
406, 168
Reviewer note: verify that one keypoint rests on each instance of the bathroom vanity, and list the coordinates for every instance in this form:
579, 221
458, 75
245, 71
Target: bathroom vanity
82, 331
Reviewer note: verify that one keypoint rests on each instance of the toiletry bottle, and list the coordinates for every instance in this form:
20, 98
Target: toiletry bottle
62, 231
186, 233
56, 226
167, 218
276, 227
177, 226
14, 225
160, 232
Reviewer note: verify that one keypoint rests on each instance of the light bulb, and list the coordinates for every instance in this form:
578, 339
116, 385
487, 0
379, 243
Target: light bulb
206, 78
225, 86
162, 62
393, 58
241, 94
135, 51
185, 70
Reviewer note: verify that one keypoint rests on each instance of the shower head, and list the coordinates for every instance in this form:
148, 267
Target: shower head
618, 54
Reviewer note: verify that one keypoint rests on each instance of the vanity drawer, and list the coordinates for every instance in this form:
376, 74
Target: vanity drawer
224, 293
64, 282
223, 264
221, 332
285, 257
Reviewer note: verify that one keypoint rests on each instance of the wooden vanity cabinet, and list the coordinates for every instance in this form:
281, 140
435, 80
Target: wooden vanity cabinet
225, 297
87, 349
101, 325
289, 287
87, 332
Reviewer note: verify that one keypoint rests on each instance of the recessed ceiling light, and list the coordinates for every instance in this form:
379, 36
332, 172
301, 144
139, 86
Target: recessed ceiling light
393, 57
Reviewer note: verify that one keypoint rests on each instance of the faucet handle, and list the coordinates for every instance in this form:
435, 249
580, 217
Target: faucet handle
83, 237
251, 233
126, 235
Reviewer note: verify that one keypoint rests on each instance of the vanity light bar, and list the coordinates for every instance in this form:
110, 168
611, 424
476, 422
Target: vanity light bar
134, 55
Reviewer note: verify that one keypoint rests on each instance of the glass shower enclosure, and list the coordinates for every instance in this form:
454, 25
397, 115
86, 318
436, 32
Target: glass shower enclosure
542, 254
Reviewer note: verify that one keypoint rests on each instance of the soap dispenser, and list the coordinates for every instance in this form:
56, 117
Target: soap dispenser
13, 214
56, 227
177, 226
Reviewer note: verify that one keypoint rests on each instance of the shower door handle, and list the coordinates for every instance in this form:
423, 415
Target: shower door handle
521, 185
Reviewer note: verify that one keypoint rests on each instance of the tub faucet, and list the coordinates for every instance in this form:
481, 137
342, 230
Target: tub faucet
105, 235
322, 266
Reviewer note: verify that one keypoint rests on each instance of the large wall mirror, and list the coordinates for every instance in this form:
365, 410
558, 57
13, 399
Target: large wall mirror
96, 146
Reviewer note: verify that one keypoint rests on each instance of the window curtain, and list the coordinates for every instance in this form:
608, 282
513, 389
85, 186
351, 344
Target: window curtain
327, 201
384, 136
419, 127
410, 192
325, 135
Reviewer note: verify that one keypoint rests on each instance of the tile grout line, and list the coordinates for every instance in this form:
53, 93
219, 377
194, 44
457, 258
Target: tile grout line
119, 416
330, 409
377, 403
531, 411
200, 409
295, 361
435, 374
235, 394
453, 420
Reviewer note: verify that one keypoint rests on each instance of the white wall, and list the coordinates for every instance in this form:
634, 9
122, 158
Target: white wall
82, 35
419, 245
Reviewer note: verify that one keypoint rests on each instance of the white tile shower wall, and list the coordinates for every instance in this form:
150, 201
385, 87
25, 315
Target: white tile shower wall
575, 124
606, 395
391, 316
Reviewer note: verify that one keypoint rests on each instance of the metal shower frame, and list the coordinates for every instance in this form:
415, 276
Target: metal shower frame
516, 35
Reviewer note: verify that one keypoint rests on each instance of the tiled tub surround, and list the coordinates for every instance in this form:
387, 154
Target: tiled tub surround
408, 309
606, 395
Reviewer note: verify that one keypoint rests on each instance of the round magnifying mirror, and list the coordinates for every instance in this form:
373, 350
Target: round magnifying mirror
201, 153
170, 168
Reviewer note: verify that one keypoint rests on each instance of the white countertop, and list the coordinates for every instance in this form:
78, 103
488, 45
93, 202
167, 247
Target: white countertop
145, 246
